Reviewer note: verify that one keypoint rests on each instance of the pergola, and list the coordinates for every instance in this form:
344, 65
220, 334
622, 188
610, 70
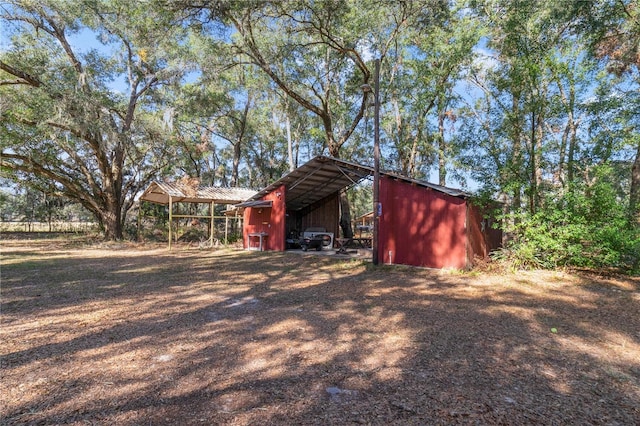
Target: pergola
169, 194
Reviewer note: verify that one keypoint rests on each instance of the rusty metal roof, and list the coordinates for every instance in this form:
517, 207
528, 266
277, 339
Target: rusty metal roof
315, 180
159, 193
323, 176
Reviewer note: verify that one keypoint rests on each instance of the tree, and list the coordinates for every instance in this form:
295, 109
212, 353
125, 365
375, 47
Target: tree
317, 54
531, 92
612, 28
553, 128
424, 72
86, 121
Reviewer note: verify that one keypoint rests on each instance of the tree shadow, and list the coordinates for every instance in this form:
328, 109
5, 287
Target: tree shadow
270, 338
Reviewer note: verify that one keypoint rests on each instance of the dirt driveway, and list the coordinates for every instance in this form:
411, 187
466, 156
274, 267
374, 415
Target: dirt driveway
117, 334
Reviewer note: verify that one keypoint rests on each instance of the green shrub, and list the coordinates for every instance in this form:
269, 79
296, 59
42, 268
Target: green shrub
586, 227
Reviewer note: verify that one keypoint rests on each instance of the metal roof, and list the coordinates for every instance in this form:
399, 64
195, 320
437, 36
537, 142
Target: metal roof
317, 179
159, 193
323, 176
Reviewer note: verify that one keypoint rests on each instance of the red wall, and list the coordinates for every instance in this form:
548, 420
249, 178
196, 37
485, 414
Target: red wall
477, 246
483, 238
421, 226
270, 220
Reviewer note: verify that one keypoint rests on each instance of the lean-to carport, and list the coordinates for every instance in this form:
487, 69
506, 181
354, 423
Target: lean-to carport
169, 194
316, 180
305, 197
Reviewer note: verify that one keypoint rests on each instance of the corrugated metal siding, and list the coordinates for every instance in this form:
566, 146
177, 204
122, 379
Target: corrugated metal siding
316, 180
450, 191
323, 176
420, 226
270, 220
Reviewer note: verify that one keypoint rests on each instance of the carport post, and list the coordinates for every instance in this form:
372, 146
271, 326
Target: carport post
170, 219
226, 229
213, 208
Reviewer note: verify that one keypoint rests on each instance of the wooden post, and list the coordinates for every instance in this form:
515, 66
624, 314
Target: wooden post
213, 207
226, 229
170, 219
139, 220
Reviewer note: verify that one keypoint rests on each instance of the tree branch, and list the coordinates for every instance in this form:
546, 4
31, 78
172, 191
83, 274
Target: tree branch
259, 60
29, 165
27, 78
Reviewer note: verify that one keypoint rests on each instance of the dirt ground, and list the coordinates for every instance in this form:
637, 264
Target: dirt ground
136, 335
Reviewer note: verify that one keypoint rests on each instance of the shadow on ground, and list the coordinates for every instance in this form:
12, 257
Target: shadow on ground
133, 336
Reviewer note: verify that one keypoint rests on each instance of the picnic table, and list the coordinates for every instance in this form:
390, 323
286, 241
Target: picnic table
343, 243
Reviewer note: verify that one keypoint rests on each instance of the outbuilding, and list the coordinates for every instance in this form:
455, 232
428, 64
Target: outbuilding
173, 194
421, 224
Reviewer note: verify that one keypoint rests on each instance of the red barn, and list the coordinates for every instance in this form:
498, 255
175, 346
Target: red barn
421, 224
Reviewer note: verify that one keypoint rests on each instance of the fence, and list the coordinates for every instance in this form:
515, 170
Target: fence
47, 227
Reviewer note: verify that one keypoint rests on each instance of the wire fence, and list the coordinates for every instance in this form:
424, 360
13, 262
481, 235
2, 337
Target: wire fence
78, 227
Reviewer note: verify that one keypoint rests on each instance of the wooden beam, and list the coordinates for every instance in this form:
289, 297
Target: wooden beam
191, 216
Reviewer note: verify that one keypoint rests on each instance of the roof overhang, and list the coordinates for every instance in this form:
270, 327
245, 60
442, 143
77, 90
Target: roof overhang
259, 204
316, 180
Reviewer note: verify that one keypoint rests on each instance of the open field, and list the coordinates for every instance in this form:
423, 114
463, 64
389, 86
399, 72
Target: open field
121, 334
46, 227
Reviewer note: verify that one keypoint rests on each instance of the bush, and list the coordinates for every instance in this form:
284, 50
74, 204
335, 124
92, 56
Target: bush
587, 227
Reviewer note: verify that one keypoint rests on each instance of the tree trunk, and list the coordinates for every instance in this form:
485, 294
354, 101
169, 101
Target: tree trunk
569, 137
292, 164
345, 215
573, 141
442, 169
515, 163
533, 187
111, 223
237, 151
536, 161
345, 209
413, 156
634, 194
